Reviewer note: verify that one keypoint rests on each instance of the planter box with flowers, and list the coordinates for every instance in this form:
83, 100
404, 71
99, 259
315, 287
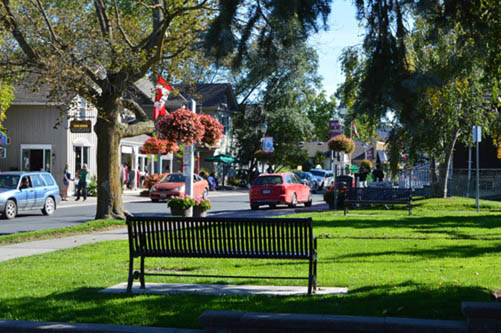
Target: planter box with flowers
181, 206
201, 207
333, 194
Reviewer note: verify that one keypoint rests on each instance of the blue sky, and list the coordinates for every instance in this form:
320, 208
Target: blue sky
343, 31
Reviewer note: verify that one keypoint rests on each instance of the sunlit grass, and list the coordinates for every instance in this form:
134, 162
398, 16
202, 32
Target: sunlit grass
422, 266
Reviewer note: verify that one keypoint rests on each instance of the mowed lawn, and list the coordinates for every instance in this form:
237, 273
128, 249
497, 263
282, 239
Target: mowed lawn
422, 266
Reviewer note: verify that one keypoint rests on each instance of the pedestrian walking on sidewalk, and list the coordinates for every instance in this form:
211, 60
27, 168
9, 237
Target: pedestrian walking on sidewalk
66, 182
83, 175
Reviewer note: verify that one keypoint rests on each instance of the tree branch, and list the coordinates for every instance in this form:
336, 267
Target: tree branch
11, 25
142, 127
104, 22
136, 108
124, 35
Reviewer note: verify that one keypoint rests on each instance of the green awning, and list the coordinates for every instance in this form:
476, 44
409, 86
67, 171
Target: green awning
221, 158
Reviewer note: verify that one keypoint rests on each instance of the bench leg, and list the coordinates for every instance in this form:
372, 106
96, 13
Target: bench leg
345, 209
410, 210
131, 275
310, 277
141, 276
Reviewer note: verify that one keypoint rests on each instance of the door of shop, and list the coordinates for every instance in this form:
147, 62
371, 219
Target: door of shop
36, 157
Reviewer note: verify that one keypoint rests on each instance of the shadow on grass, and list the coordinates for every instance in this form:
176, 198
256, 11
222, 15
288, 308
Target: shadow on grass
87, 305
454, 251
421, 224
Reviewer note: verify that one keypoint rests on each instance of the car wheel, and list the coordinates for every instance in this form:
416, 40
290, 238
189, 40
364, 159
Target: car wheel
49, 207
10, 210
254, 206
273, 206
205, 195
310, 200
293, 201
154, 200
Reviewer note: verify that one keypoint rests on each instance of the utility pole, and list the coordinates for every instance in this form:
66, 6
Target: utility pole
188, 160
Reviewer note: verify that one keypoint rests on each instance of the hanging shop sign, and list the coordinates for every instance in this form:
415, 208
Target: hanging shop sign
80, 126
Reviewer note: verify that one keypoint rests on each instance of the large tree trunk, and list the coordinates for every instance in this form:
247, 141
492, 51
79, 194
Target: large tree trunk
109, 194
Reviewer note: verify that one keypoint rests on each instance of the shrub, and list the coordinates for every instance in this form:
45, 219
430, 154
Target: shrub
341, 143
182, 202
92, 187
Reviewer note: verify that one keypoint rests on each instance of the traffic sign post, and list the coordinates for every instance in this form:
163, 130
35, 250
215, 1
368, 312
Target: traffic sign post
477, 138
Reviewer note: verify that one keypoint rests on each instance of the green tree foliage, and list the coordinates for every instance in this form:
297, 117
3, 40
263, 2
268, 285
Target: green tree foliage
284, 93
98, 49
269, 25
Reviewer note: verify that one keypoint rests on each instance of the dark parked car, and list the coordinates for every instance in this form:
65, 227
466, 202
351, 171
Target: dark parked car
308, 178
21, 191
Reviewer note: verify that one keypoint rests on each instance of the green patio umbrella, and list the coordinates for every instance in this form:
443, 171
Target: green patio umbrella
222, 158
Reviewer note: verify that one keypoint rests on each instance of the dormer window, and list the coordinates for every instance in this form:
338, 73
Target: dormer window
82, 108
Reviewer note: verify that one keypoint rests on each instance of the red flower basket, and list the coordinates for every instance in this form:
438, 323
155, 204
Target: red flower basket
156, 146
182, 126
213, 130
341, 143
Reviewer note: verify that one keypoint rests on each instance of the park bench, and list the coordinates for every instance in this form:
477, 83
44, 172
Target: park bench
213, 237
382, 196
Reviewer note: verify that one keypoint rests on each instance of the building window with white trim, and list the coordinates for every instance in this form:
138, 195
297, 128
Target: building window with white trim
82, 108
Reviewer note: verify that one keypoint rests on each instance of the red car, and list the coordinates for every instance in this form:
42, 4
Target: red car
172, 185
280, 188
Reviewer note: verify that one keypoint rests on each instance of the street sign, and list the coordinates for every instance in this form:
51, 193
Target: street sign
477, 134
335, 128
3, 139
3, 152
268, 144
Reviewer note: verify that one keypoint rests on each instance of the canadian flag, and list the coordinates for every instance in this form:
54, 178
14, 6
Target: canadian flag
354, 129
161, 95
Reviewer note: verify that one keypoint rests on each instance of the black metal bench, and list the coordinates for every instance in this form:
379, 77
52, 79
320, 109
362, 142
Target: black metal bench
212, 237
383, 196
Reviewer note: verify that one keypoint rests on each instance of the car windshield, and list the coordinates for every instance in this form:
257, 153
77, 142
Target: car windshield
174, 178
318, 173
301, 175
268, 180
9, 181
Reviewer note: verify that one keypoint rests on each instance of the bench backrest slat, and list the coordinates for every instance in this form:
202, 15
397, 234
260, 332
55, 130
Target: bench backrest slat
212, 237
381, 194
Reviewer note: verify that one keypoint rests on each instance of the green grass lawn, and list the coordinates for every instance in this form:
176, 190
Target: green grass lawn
422, 266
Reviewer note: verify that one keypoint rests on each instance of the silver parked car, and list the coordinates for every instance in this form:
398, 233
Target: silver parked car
20, 191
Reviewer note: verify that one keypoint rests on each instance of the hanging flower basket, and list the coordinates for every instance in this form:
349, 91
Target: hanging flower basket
182, 126
261, 156
213, 130
366, 164
156, 146
341, 143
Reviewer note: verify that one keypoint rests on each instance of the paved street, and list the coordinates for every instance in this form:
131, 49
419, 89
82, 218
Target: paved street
69, 213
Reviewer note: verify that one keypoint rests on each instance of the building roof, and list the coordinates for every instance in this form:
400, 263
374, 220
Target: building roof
315, 146
213, 95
